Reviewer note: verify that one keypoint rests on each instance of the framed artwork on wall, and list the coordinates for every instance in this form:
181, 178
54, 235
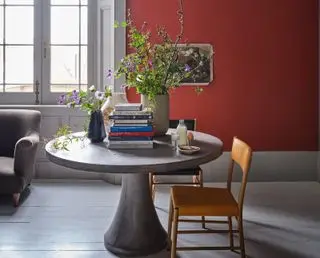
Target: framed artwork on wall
203, 71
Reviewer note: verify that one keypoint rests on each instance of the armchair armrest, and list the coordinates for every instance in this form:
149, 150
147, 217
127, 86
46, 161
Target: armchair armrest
24, 155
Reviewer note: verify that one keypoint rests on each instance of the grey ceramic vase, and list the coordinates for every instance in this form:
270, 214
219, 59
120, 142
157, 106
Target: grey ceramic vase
160, 109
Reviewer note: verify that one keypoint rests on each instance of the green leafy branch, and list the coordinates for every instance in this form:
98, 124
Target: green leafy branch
64, 137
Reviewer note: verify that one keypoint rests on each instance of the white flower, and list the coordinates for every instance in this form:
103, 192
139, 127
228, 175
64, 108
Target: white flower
92, 88
139, 78
99, 95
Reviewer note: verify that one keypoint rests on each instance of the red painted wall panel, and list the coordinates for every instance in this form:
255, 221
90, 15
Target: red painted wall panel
266, 86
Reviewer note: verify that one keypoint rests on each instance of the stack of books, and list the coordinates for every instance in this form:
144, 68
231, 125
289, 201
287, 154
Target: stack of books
132, 127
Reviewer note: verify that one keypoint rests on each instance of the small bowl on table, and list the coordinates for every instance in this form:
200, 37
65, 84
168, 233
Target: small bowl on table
188, 149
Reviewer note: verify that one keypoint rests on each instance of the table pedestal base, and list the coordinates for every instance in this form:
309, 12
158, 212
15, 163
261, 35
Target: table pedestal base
136, 229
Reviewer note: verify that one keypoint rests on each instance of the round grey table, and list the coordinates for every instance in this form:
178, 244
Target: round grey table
136, 229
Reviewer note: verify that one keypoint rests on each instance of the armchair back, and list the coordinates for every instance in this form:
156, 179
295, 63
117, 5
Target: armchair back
15, 124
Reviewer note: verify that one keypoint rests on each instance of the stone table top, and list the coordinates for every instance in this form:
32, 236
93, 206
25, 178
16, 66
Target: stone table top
162, 158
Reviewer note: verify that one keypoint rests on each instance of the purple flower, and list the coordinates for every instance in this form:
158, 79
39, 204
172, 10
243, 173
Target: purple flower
150, 63
187, 68
75, 97
62, 99
109, 74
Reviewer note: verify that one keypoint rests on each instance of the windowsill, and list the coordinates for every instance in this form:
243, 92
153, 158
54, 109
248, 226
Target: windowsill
50, 110
31, 106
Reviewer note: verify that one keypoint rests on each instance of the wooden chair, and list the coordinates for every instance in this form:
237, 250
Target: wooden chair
206, 201
195, 173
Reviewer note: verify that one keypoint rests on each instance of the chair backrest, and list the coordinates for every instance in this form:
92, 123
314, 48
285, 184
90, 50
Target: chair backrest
15, 124
242, 155
190, 123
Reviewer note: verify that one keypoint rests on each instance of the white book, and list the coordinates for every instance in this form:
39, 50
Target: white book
131, 113
128, 106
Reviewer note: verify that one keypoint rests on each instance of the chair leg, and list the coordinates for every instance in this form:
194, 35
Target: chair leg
170, 216
241, 236
200, 179
16, 198
230, 233
153, 192
174, 234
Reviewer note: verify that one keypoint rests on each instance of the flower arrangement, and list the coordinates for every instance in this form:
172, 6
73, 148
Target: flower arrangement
89, 101
154, 69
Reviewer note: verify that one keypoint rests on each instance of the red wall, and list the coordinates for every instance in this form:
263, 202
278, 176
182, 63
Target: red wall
266, 86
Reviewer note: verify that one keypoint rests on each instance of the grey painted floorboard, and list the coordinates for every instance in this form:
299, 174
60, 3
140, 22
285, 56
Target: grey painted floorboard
68, 219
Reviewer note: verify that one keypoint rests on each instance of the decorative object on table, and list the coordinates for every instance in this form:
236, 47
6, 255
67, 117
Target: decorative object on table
108, 106
188, 149
154, 69
182, 132
90, 101
96, 129
132, 127
160, 110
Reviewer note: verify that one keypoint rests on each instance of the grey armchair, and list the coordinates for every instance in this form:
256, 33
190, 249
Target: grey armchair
19, 138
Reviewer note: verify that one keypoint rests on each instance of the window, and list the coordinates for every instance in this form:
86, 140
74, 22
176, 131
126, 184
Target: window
52, 46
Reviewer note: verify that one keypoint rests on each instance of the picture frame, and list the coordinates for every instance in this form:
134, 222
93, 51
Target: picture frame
206, 71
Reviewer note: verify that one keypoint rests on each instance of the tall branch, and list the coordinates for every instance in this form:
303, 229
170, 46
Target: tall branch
180, 13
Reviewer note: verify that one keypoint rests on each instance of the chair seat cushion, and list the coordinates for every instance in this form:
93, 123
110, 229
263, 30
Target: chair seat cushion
203, 201
180, 172
9, 182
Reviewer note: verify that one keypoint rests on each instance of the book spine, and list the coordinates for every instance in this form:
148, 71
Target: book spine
131, 113
131, 128
132, 121
131, 142
130, 138
129, 146
119, 125
128, 108
130, 117
148, 134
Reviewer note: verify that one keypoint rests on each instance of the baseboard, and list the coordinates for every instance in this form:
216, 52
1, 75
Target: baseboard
266, 166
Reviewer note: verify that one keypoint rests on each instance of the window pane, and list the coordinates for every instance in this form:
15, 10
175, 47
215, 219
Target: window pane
84, 65
19, 31
23, 87
1, 2
84, 25
19, 64
63, 87
1, 65
65, 2
64, 65
19, 2
1, 25
64, 25
84, 87
84, 2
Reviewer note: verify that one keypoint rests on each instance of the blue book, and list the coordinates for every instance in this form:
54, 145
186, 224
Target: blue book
130, 138
148, 128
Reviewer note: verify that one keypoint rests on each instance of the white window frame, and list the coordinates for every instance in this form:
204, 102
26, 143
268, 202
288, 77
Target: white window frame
101, 54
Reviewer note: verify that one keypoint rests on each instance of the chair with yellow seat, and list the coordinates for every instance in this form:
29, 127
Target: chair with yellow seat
209, 201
